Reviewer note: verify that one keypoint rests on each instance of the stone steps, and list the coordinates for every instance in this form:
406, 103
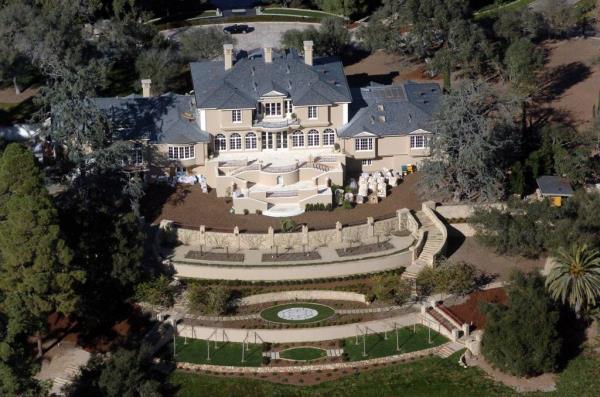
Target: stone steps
449, 349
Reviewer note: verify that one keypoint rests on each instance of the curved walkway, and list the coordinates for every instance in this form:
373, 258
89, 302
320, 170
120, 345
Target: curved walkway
293, 335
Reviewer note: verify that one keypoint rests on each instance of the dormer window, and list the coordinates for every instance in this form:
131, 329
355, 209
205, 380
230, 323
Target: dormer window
272, 109
236, 116
312, 112
288, 106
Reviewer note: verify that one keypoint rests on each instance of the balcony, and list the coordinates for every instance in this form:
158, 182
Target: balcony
275, 123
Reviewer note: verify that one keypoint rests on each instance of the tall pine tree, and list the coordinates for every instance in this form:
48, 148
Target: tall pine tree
36, 275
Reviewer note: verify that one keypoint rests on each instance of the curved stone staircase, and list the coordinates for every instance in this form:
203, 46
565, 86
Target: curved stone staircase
435, 237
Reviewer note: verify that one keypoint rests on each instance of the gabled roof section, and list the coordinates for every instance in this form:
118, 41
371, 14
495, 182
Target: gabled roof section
250, 78
168, 118
393, 110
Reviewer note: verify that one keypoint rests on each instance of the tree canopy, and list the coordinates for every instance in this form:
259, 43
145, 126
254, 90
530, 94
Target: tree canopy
475, 140
522, 337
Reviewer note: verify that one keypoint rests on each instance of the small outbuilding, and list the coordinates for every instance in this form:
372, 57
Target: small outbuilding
555, 188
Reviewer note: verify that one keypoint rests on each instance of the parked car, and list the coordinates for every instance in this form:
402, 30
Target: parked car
235, 29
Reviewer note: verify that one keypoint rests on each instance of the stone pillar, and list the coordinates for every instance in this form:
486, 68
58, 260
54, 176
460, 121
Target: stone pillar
268, 54
370, 227
466, 329
236, 236
338, 232
429, 204
271, 237
228, 55
146, 88
203, 235
455, 334
401, 214
308, 52
304, 235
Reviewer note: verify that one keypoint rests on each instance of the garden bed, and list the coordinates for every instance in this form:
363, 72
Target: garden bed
214, 256
364, 249
316, 312
291, 256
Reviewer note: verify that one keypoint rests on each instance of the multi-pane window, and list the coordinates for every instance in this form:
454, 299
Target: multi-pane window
181, 152
312, 112
313, 138
362, 144
273, 109
328, 137
235, 142
298, 139
251, 140
288, 106
220, 142
236, 116
367, 162
419, 142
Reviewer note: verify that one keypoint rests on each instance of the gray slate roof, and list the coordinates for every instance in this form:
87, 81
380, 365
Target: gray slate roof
250, 78
393, 110
161, 119
551, 185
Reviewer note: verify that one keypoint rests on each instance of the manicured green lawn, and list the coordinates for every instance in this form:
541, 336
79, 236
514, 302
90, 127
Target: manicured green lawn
408, 341
195, 351
303, 353
302, 13
324, 312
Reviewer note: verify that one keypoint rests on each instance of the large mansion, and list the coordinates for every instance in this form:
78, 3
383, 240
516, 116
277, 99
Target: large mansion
274, 130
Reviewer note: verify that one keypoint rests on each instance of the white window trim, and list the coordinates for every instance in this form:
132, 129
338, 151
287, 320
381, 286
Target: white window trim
316, 115
224, 140
316, 136
250, 137
367, 162
179, 152
325, 143
424, 143
238, 140
298, 137
358, 145
234, 116
274, 105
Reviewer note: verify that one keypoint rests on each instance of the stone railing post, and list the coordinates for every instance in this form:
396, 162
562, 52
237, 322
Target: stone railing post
304, 235
370, 227
271, 237
203, 235
338, 232
236, 234
466, 329
402, 219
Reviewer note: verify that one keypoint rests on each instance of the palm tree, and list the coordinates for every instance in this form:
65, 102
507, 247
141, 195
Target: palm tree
575, 277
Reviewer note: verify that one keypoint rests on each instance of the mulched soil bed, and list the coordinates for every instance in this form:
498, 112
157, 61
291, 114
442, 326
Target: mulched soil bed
214, 256
291, 256
470, 310
188, 206
364, 249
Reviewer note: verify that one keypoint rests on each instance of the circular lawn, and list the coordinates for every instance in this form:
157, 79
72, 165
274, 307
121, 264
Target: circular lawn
297, 313
303, 354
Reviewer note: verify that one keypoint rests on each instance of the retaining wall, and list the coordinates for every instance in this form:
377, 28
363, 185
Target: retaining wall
306, 295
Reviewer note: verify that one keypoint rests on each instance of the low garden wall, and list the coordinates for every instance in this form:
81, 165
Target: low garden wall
310, 368
298, 240
304, 295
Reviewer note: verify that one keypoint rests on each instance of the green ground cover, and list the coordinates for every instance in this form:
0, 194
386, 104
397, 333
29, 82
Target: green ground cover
303, 353
378, 346
300, 13
324, 312
427, 377
195, 351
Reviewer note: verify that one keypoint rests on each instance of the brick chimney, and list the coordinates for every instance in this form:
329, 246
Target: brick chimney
146, 88
308, 52
228, 55
268, 54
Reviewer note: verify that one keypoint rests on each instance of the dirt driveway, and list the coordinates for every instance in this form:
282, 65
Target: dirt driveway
265, 34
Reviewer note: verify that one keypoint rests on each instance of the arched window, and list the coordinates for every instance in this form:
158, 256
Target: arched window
235, 142
313, 138
220, 143
251, 140
328, 137
298, 139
